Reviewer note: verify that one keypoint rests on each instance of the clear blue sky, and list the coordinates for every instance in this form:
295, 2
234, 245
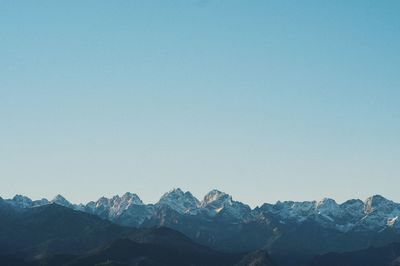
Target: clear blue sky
265, 100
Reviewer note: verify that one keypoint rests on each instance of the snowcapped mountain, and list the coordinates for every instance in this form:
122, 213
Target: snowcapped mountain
113, 207
216, 202
374, 214
324, 211
290, 210
20, 201
182, 202
60, 200
25, 202
126, 210
379, 213
221, 222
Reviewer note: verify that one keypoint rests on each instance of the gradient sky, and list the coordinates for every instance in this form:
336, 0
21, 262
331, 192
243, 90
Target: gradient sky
265, 100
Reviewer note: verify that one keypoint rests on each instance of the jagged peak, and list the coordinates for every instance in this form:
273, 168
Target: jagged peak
216, 195
325, 202
127, 197
173, 192
132, 198
183, 202
295, 204
19, 197
115, 197
176, 191
102, 200
217, 202
376, 198
178, 194
377, 202
59, 199
215, 191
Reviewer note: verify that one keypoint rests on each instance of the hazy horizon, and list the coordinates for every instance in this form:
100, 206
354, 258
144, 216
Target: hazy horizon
264, 100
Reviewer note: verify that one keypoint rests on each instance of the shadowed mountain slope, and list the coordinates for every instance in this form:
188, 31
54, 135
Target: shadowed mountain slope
374, 256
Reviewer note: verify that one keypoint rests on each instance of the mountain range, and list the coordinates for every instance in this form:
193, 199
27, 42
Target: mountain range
375, 213
54, 235
292, 232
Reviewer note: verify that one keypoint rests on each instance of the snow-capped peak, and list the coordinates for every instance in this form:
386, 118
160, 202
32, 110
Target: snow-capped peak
22, 201
375, 213
379, 212
131, 198
377, 202
326, 202
182, 202
328, 207
293, 210
114, 206
175, 191
217, 201
216, 196
60, 200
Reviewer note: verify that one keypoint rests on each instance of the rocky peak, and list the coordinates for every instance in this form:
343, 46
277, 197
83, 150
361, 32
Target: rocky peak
215, 196
22, 201
115, 206
132, 198
328, 206
182, 202
216, 202
378, 203
60, 200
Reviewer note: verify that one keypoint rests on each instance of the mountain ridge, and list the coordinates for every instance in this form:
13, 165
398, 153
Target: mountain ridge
55, 235
376, 211
222, 223
25, 201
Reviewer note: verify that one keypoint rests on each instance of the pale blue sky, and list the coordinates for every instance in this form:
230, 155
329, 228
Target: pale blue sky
265, 100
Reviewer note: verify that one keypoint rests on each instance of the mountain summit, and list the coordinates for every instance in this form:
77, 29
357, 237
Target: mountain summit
182, 202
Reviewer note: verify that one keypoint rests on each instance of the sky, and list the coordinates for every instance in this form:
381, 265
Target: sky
264, 100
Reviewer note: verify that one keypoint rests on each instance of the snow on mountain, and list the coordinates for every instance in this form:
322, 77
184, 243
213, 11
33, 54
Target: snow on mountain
291, 210
328, 207
25, 202
353, 209
40, 202
60, 200
375, 213
120, 204
393, 221
216, 202
377, 203
379, 213
182, 202
20, 201
113, 207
